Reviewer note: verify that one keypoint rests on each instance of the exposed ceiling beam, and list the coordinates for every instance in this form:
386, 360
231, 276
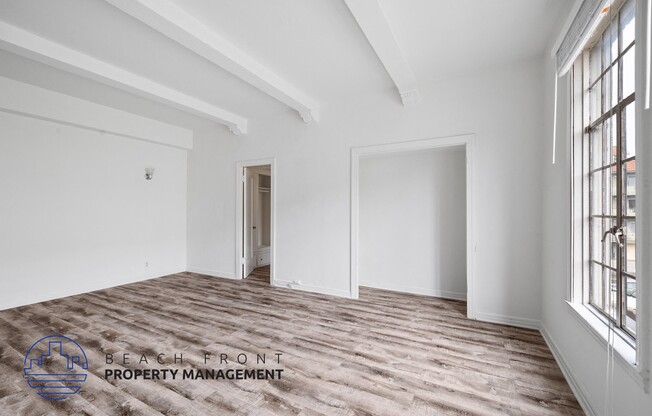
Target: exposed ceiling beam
178, 25
371, 19
40, 103
32, 46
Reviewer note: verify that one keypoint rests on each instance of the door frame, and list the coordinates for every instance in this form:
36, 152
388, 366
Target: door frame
239, 220
357, 153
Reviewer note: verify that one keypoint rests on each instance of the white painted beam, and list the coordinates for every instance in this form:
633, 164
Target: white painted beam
178, 25
371, 19
28, 100
29, 45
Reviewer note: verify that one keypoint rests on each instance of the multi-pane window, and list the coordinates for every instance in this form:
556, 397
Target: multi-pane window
608, 171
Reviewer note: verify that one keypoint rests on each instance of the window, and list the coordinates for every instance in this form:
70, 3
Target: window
604, 173
631, 206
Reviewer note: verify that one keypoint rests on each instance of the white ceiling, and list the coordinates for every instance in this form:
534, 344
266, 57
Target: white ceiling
444, 38
316, 45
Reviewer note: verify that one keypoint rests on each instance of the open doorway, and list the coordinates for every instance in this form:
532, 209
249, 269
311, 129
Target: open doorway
412, 211
255, 220
413, 222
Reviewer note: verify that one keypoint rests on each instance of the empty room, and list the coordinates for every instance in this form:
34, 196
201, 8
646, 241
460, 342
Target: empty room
325, 207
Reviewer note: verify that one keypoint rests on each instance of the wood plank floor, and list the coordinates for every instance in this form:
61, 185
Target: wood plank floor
384, 354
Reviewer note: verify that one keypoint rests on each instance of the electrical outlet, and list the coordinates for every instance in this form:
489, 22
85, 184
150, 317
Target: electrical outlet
146, 264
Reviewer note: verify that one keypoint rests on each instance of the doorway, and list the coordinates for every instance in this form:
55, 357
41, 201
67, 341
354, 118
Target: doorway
405, 264
255, 190
413, 222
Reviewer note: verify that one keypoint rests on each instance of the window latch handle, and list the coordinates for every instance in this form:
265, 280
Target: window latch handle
616, 232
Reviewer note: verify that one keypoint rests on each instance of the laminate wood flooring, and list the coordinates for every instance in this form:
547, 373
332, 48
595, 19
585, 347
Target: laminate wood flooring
384, 354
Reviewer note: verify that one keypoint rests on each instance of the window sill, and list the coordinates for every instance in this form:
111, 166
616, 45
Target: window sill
625, 353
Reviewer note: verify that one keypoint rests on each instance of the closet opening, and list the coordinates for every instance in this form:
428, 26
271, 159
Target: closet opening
255, 224
412, 218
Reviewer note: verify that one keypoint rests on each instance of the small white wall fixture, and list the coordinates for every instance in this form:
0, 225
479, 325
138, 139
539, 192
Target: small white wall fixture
357, 153
239, 180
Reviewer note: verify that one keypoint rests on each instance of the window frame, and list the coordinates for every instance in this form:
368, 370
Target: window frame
581, 169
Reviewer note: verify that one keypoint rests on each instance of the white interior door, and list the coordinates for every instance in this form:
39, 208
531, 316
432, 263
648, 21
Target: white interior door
248, 228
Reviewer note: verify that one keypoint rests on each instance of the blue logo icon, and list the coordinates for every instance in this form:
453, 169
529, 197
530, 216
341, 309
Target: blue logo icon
55, 366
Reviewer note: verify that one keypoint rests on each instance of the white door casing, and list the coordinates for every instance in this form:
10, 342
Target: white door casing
239, 217
249, 259
467, 140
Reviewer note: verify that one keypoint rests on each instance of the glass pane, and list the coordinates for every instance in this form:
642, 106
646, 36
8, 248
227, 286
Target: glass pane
596, 147
628, 22
596, 193
613, 95
610, 246
629, 188
604, 256
609, 53
596, 293
629, 251
629, 131
612, 192
613, 35
612, 295
595, 102
630, 203
597, 230
628, 73
610, 189
606, 194
595, 62
595, 94
610, 44
606, 92
630, 304
610, 141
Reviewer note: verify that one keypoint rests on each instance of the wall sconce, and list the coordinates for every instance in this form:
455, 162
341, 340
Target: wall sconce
149, 173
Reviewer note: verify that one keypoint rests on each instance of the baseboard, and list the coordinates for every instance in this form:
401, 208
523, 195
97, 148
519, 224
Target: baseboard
575, 386
312, 289
213, 273
416, 291
68, 292
508, 320
579, 392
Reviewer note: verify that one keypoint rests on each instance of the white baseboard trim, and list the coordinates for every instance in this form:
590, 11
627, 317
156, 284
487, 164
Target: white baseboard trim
58, 294
508, 320
212, 273
313, 289
416, 291
577, 388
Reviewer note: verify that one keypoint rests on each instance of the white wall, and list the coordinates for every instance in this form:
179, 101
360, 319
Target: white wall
502, 106
412, 227
77, 214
